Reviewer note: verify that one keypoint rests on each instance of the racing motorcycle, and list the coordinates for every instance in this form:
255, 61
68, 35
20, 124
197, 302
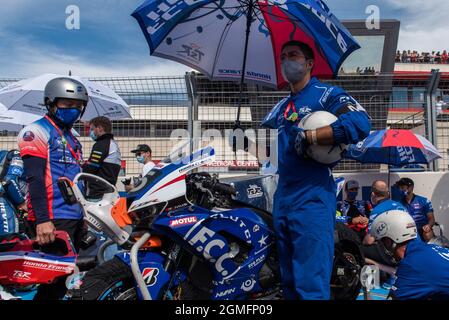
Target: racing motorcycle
187, 235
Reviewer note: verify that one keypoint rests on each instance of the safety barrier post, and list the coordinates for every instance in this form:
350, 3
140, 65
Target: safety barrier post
431, 123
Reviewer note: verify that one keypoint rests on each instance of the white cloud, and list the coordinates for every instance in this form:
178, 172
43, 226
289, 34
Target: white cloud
424, 24
26, 58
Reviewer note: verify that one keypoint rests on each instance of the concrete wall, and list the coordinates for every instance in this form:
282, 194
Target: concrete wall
420, 67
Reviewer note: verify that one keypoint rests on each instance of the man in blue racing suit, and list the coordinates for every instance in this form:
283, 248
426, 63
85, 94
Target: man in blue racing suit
12, 190
420, 208
305, 201
356, 212
423, 269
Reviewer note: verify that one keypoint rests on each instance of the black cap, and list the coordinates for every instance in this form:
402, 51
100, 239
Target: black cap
405, 182
142, 148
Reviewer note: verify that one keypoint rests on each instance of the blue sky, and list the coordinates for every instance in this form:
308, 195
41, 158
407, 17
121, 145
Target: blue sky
34, 40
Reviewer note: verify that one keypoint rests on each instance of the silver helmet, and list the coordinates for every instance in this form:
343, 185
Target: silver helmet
65, 88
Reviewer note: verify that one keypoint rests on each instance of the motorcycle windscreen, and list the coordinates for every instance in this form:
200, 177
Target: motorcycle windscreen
94, 188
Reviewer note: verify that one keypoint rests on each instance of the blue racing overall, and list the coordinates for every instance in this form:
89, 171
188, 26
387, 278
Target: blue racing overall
305, 200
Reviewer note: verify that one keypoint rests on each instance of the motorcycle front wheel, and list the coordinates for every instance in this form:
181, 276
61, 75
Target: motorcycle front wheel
112, 280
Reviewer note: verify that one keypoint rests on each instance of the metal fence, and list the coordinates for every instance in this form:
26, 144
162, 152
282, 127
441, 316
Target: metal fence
193, 104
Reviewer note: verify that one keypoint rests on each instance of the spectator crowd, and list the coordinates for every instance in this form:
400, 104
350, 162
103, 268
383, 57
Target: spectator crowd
434, 57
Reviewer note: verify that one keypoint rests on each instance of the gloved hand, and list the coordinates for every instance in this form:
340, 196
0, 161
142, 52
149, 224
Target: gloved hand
298, 140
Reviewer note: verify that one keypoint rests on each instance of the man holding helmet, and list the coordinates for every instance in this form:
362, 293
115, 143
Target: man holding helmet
423, 270
305, 202
50, 151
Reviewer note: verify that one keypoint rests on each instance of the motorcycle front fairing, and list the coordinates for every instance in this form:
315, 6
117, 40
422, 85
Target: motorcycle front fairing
235, 243
166, 181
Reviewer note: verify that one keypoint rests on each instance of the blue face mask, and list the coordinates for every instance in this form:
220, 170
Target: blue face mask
92, 135
68, 116
139, 159
352, 195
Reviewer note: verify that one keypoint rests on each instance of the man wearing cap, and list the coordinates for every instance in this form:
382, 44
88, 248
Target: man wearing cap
420, 208
355, 211
143, 155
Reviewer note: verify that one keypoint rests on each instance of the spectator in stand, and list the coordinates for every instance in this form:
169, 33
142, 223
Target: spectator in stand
444, 57
404, 56
398, 56
414, 56
432, 57
409, 56
438, 57
420, 58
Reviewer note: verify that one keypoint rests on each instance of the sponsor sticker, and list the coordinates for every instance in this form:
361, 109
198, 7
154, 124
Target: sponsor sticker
183, 221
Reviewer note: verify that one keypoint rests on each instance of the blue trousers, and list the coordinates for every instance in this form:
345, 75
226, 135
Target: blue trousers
305, 242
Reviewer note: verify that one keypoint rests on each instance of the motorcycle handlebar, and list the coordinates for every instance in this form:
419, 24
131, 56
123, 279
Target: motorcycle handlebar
224, 188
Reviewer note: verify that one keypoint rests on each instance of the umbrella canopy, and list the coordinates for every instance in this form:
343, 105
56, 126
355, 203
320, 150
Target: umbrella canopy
11, 120
242, 39
14, 117
394, 147
28, 96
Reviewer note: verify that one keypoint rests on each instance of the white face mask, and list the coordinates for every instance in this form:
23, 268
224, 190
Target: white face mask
293, 71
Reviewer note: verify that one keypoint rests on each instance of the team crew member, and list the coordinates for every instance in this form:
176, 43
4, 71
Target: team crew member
420, 208
356, 211
144, 156
50, 151
105, 159
381, 202
423, 269
305, 201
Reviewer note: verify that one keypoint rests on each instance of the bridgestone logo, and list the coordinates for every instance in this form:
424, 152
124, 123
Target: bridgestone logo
46, 266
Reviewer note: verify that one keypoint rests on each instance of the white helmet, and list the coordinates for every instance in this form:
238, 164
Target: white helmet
398, 225
322, 154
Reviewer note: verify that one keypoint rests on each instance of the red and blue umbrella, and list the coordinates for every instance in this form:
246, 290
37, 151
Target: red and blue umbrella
215, 37
242, 39
393, 147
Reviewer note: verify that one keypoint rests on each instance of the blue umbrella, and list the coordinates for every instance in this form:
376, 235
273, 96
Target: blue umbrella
394, 147
242, 39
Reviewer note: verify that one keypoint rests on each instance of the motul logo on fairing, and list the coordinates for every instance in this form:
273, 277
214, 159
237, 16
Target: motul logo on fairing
183, 221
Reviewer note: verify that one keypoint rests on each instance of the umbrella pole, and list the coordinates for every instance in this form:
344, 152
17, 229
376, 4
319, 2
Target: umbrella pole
249, 15
389, 160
